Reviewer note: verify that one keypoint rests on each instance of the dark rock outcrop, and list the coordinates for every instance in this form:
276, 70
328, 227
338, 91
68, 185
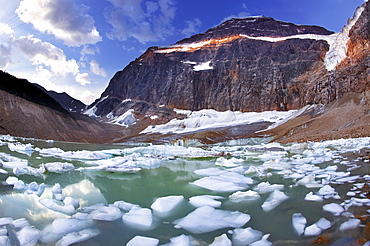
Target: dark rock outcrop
241, 73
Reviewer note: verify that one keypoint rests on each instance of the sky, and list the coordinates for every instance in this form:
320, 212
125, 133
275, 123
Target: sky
76, 46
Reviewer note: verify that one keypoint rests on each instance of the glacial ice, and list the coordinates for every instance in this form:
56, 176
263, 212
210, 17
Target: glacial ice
28, 236
274, 200
266, 187
245, 236
106, 213
299, 223
350, 224
262, 242
312, 230
143, 241
223, 162
139, 218
205, 200
55, 206
76, 237
163, 206
242, 196
206, 219
333, 208
26, 149
222, 240
182, 240
58, 167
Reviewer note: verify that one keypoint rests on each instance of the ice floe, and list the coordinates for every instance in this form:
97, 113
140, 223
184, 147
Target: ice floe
58, 167
205, 200
163, 206
206, 219
76, 237
333, 208
274, 200
299, 223
222, 240
243, 196
139, 218
143, 241
245, 236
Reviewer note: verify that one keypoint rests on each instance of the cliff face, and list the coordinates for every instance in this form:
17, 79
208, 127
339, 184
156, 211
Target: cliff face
246, 64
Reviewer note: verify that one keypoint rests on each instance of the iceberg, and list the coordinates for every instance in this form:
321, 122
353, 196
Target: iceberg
163, 206
143, 241
28, 236
242, 196
207, 219
299, 223
181, 240
58, 167
312, 230
76, 237
350, 224
55, 206
205, 200
139, 218
105, 213
274, 200
222, 240
223, 162
266, 187
245, 236
262, 242
333, 208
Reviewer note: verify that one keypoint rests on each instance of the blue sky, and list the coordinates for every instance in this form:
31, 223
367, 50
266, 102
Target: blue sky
76, 46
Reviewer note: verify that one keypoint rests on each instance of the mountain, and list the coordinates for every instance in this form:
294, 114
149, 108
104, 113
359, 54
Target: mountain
28, 111
66, 101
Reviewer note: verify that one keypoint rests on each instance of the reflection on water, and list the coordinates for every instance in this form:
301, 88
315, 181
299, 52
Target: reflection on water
335, 172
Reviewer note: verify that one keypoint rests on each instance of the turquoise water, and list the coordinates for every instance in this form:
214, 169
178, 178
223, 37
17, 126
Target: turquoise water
171, 170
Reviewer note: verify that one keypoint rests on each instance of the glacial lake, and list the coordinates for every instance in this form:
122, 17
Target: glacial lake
245, 191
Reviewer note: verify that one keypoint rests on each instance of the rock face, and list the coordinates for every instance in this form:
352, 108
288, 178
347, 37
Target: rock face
233, 66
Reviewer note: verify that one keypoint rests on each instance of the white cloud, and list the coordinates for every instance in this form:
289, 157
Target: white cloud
5, 56
96, 69
87, 97
5, 29
44, 53
83, 78
241, 14
62, 18
192, 27
130, 20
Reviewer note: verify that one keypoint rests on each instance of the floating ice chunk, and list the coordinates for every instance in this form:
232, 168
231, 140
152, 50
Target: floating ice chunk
223, 162
11, 180
262, 242
139, 218
124, 206
57, 192
266, 187
212, 171
163, 206
312, 230
205, 200
327, 192
309, 181
143, 241
222, 240
253, 170
5, 221
15, 164
311, 197
4, 240
215, 184
61, 227
333, 208
53, 205
299, 223
274, 200
242, 196
207, 219
58, 167
19, 185
28, 236
76, 237
20, 223
181, 240
105, 213
323, 224
245, 236
350, 224
26, 149
34, 188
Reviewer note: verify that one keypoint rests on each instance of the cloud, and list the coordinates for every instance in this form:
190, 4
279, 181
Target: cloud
87, 97
64, 19
5, 29
96, 69
149, 22
46, 54
192, 27
5, 56
83, 78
